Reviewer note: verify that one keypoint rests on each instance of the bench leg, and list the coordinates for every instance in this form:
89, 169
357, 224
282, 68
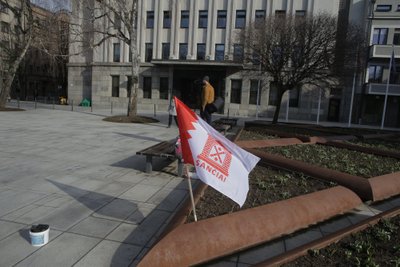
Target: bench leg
149, 164
180, 168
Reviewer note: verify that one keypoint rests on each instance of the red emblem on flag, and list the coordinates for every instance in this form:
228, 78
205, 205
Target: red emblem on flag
216, 155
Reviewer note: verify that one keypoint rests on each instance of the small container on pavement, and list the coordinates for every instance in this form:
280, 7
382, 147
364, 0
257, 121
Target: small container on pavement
39, 234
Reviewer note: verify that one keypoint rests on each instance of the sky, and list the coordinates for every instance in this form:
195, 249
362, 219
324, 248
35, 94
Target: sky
53, 5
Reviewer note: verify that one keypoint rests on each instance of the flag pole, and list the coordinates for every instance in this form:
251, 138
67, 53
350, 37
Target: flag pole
191, 193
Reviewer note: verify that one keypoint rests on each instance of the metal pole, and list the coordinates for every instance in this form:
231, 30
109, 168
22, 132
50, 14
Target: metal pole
319, 104
72, 105
258, 92
111, 107
287, 105
155, 112
18, 102
352, 99
387, 90
91, 106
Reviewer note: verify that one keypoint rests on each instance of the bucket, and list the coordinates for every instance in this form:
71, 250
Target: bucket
39, 234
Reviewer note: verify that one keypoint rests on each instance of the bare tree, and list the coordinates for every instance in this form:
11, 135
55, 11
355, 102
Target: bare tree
111, 19
293, 51
16, 39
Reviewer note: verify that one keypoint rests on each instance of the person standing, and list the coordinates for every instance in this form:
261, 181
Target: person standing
172, 113
207, 98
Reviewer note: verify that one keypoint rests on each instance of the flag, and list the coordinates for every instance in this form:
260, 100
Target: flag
218, 162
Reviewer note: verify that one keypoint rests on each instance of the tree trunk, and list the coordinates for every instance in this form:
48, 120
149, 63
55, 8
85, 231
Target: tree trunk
5, 90
278, 105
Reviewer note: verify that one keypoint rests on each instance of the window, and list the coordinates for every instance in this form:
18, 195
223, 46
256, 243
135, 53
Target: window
237, 52
201, 51
117, 22
146, 87
375, 74
185, 19
219, 52
383, 8
5, 27
294, 98
203, 18
259, 18
150, 20
3, 8
380, 36
221, 19
273, 94
240, 19
128, 85
396, 36
236, 91
300, 13
398, 7
167, 20
149, 52
254, 92
163, 87
115, 86
183, 50
165, 50
116, 52
280, 13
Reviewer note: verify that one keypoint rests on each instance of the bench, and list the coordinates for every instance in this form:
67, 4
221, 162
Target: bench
165, 149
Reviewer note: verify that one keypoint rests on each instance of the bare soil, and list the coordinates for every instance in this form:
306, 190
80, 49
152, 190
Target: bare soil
11, 109
344, 160
126, 119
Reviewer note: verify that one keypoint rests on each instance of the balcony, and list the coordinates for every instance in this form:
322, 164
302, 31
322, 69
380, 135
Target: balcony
384, 51
380, 89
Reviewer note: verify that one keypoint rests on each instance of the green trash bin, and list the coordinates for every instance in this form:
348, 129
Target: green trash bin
85, 103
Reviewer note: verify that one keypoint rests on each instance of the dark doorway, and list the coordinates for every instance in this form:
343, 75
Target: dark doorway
334, 109
187, 84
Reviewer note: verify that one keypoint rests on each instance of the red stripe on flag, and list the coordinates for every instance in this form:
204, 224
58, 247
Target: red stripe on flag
186, 118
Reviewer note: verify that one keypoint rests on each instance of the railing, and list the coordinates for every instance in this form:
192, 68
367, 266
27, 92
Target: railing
380, 89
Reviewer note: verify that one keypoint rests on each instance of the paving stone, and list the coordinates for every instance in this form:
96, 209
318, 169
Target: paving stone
156, 180
262, 253
8, 228
65, 217
65, 250
302, 238
167, 199
54, 200
140, 235
17, 247
140, 192
18, 199
109, 253
29, 214
95, 227
118, 209
144, 209
335, 224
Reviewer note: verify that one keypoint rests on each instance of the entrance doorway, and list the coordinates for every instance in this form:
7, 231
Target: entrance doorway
187, 85
334, 109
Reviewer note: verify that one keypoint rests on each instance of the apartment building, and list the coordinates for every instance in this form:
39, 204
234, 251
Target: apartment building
180, 41
381, 80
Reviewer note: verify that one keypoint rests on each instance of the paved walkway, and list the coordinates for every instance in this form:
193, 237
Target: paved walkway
81, 176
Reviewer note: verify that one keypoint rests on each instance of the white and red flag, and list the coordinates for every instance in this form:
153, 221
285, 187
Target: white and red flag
219, 163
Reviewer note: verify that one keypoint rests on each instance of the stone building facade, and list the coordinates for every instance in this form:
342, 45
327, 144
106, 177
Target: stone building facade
180, 41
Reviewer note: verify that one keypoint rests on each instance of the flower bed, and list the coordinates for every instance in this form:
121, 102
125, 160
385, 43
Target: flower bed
377, 143
343, 160
378, 245
266, 185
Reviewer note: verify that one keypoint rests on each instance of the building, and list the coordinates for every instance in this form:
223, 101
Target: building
384, 39
42, 74
180, 41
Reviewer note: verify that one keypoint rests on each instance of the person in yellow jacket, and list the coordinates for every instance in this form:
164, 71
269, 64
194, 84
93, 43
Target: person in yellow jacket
207, 98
